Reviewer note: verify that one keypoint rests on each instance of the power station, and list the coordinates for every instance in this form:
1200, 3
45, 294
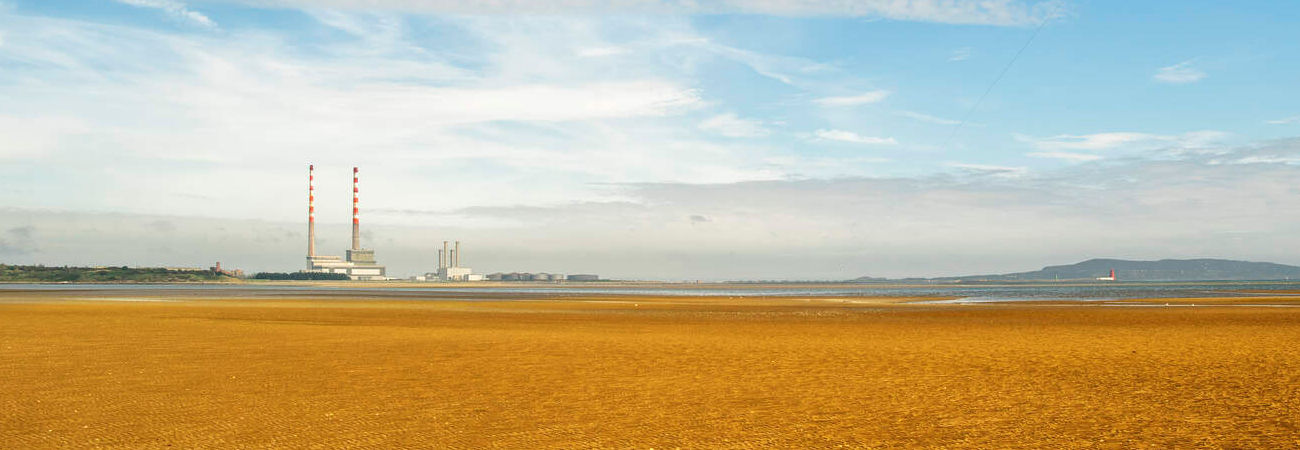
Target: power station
360, 263
449, 268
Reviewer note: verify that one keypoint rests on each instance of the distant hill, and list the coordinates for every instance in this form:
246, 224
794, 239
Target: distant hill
1162, 270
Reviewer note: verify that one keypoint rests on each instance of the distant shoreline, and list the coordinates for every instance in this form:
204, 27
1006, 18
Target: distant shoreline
682, 284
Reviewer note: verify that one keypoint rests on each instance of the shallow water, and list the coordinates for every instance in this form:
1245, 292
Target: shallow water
959, 293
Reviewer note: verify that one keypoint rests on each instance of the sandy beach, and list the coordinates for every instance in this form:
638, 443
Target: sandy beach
135, 369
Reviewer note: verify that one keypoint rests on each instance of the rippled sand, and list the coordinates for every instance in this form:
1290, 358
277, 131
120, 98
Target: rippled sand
640, 372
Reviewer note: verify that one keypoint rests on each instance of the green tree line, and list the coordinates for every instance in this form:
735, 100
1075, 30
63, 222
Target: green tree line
43, 274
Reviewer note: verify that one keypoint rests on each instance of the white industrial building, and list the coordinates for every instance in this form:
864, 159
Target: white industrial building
449, 268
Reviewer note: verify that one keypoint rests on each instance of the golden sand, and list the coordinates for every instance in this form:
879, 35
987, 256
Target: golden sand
641, 372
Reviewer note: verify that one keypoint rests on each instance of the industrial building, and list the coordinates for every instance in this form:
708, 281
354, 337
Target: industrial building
524, 276
360, 262
542, 276
237, 273
449, 268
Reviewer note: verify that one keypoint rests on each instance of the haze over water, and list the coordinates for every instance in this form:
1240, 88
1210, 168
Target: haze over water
959, 293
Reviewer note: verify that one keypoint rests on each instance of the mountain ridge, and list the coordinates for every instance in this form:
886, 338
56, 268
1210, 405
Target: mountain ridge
1199, 269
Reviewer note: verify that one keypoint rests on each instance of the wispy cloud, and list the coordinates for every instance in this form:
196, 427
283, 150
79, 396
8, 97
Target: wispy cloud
786, 69
1181, 73
927, 118
851, 137
730, 125
983, 12
1096, 141
174, 9
1073, 157
1114, 140
854, 100
1263, 159
960, 54
990, 170
1285, 121
30, 137
596, 52
526, 107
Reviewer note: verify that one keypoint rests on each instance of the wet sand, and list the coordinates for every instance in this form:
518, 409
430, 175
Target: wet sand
150, 369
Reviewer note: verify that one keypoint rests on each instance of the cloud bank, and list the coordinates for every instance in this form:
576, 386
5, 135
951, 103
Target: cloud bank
1234, 203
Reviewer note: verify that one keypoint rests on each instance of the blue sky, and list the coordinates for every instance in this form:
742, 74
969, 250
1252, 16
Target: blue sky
653, 138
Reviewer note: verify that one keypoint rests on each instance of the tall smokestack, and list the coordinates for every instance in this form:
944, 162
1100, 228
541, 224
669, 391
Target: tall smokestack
356, 222
440, 265
311, 210
457, 254
446, 257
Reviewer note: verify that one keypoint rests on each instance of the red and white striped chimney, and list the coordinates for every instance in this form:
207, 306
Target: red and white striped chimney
311, 210
356, 221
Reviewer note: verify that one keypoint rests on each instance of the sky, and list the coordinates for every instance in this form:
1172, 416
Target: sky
651, 139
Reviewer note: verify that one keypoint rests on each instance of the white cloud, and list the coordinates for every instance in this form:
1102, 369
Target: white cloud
960, 54
786, 69
526, 121
541, 102
927, 118
991, 170
805, 167
1131, 140
1097, 141
851, 137
1073, 157
997, 12
596, 52
175, 9
1181, 73
1285, 121
730, 125
27, 137
1267, 159
854, 100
